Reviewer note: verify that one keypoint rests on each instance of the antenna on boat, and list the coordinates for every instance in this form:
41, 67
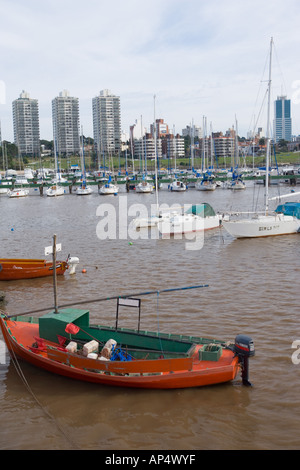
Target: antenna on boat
48, 250
54, 274
102, 299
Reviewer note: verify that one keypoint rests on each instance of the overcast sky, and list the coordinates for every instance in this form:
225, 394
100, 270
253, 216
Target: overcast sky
200, 58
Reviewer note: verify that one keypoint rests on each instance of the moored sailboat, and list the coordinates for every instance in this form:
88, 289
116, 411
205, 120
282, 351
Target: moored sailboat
17, 192
177, 186
266, 224
109, 188
197, 218
56, 189
83, 189
206, 183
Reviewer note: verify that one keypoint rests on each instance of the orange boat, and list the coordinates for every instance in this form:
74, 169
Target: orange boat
65, 343
14, 268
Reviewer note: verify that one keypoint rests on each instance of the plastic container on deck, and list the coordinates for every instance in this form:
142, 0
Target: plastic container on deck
71, 347
91, 347
108, 348
92, 356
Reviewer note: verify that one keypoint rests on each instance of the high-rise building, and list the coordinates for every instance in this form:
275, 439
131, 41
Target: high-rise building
282, 119
107, 123
26, 125
65, 118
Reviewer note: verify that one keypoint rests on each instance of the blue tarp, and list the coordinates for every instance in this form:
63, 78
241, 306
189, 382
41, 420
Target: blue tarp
289, 208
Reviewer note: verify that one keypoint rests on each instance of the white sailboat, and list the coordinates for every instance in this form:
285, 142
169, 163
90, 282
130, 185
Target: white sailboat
236, 183
109, 188
177, 186
197, 218
55, 189
266, 224
159, 215
18, 192
83, 189
144, 187
206, 183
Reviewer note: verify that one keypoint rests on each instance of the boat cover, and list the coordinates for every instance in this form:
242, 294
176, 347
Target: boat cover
202, 210
289, 208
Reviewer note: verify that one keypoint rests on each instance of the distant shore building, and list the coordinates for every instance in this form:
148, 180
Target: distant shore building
223, 145
26, 125
168, 145
65, 118
107, 123
193, 131
282, 119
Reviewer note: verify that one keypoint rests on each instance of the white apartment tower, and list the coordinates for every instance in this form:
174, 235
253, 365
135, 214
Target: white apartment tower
65, 118
26, 125
107, 123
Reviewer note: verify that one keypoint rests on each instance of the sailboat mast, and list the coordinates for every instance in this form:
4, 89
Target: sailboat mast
192, 144
155, 157
268, 130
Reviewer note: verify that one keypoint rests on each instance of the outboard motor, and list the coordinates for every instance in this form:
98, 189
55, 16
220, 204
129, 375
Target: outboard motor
72, 261
244, 348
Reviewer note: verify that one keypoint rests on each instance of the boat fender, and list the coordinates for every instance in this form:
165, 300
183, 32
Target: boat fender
244, 349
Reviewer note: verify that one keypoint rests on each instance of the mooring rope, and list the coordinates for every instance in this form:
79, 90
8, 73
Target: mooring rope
27, 386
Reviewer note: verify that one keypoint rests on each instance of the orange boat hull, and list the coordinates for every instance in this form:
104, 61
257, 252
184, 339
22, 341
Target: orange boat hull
13, 269
150, 374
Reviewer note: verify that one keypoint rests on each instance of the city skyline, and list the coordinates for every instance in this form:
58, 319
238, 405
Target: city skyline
107, 134
200, 60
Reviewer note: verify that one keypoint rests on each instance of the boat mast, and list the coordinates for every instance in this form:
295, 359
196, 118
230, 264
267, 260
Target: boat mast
268, 131
192, 145
155, 157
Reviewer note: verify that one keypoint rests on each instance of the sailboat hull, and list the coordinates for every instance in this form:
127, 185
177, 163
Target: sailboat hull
55, 191
187, 224
262, 226
108, 189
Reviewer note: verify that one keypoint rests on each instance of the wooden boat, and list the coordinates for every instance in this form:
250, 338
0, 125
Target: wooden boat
14, 268
65, 343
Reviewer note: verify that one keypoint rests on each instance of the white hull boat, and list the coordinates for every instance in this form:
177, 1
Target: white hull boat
18, 192
108, 188
177, 186
144, 187
84, 190
262, 226
237, 185
154, 220
205, 185
197, 218
55, 191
